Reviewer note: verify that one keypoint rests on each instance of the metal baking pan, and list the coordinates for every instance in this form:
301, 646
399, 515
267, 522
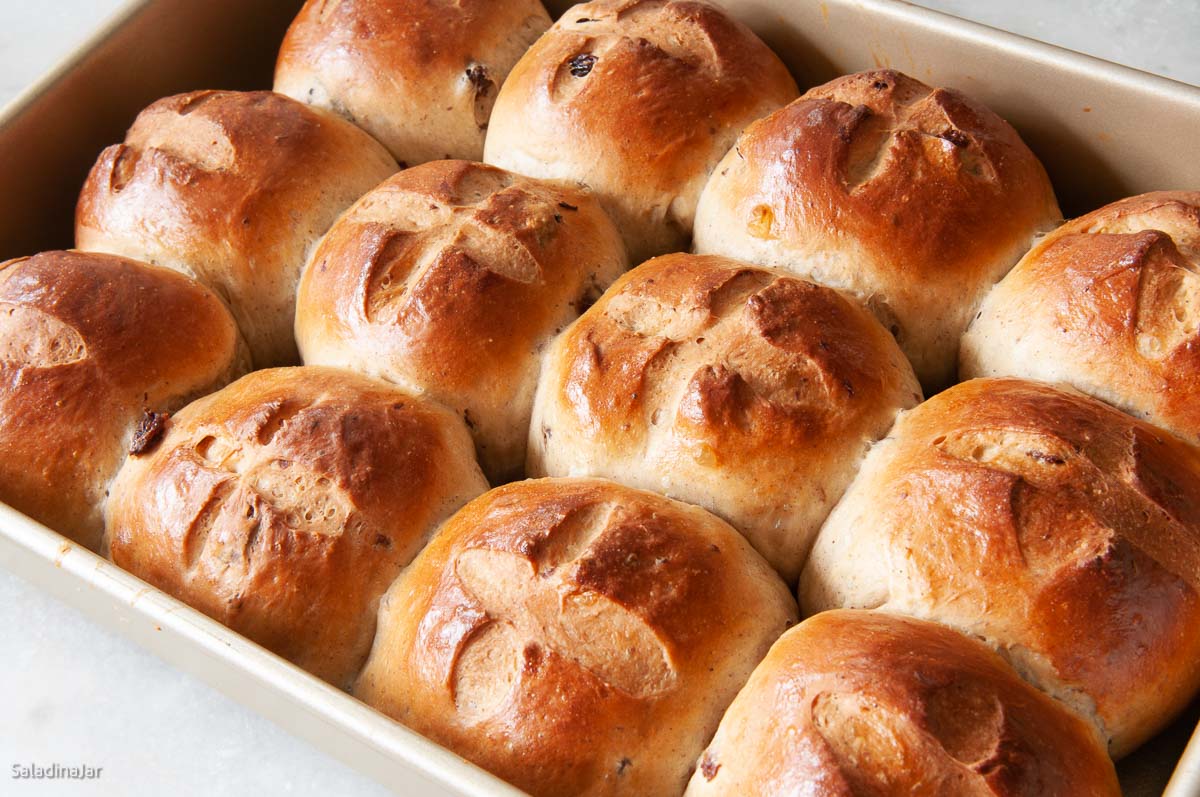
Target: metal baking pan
1103, 131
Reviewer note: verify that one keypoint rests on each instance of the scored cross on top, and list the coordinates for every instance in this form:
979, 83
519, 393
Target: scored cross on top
415, 231
704, 343
535, 604
912, 120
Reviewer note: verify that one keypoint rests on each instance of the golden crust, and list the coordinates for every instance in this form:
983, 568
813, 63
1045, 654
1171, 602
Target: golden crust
741, 389
575, 636
285, 504
1061, 531
419, 75
88, 344
1110, 304
449, 279
234, 189
638, 100
915, 199
850, 703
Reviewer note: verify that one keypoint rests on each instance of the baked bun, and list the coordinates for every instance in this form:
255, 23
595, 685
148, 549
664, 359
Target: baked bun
419, 75
449, 279
1063, 532
637, 100
285, 504
94, 351
233, 189
914, 199
1109, 304
741, 389
575, 636
862, 703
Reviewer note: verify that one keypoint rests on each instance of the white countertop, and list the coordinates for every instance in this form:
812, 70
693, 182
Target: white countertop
71, 691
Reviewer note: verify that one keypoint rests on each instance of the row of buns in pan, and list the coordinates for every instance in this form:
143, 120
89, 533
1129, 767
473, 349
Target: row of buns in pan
464, 324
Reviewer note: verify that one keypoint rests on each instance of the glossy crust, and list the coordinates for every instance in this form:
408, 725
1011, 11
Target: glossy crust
1061, 531
741, 389
450, 279
284, 505
421, 76
233, 189
575, 636
862, 703
1110, 304
88, 344
914, 199
638, 100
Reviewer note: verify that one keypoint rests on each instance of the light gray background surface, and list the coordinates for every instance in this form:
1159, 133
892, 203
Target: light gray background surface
72, 692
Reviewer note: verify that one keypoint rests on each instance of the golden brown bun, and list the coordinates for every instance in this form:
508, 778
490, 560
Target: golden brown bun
637, 100
1109, 304
285, 504
741, 389
92, 347
863, 703
419, 75
914, 199
233, 189
450, 279
575, 636
1063, 532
